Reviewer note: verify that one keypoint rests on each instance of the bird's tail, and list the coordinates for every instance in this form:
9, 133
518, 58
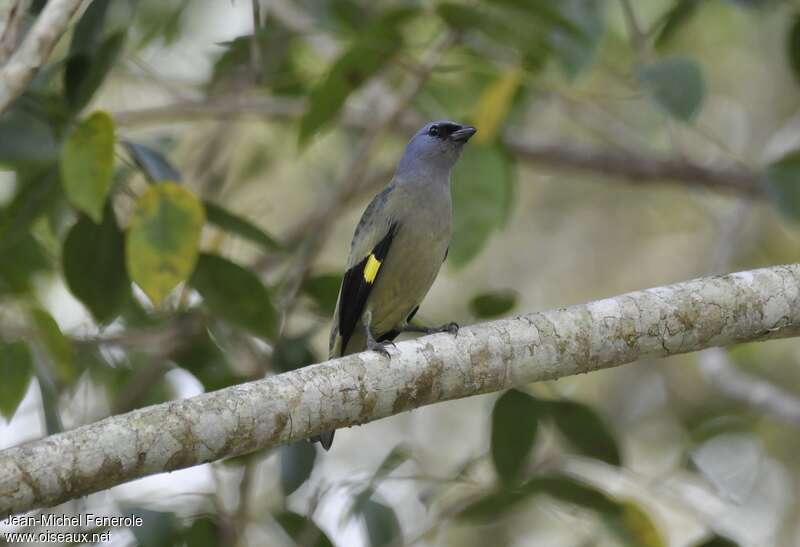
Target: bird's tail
325, 439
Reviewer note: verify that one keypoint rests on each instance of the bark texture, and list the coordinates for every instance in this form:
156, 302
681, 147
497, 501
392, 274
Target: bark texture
713, 311
35, 49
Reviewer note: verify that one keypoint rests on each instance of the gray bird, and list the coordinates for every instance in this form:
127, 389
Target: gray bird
398, 247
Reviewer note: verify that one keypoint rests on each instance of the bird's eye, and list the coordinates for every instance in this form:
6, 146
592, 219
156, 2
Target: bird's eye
434, 131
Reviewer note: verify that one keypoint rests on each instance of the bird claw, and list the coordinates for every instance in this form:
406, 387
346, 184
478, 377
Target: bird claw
381, 347
451, 327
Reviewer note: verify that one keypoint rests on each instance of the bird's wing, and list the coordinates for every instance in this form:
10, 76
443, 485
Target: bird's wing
358, 282
372, 226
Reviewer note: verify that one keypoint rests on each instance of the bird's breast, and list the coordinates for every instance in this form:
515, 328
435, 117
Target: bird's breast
411, 266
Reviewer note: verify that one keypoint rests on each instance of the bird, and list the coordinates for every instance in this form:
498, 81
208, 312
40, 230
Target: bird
398, 247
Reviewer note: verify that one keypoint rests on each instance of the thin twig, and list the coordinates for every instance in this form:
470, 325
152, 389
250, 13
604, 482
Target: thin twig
35, 49
715, 363
761, 395
9, 40
638, 167
638, 37
256, 61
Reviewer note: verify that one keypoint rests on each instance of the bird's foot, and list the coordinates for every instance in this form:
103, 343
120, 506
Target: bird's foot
451, 327
380, 347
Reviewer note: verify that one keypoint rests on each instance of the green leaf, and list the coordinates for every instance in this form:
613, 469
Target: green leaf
549, 15
292, 353
234, 224
89, 28
93, 261
571, 491
363, 58
160, 22
463, 17
509, 27
515, 419
783, 184
302, 530
297, 463
396, 457
626, 520
493, 304
122, 378
162, 240
26, 139
679, 15
383, 528
155, 166
793, 46
91, 55
491, 506
350, 16
676, 84
496, 503
36, 194
575, 46
85, 72
58, 346
204, 532
629, 523
157, 529
279, 69
324, 290
87, 164
236, 294
16, 370
482, 189
717, 541
207, 362
585, 430
21, 261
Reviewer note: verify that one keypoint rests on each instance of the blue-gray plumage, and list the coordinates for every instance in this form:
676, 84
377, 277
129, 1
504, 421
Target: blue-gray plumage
398, 247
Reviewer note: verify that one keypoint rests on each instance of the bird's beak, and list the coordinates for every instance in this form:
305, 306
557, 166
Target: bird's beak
463, 134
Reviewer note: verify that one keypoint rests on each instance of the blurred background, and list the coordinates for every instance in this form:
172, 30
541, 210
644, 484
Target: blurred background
622, 145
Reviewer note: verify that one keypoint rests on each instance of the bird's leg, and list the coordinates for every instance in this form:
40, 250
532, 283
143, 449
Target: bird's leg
451, 327
372, 344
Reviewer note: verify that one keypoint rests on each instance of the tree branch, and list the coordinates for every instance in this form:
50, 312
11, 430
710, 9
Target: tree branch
9, 39
761, 395
707, 312
637, 167
633, 166
35, 49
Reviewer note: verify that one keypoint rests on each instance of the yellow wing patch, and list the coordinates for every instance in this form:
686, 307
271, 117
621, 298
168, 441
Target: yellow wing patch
371, 269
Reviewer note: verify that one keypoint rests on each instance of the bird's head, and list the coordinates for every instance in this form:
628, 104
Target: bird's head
437, 145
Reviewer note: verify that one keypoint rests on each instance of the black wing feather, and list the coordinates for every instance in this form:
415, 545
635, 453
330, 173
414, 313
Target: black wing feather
355, 290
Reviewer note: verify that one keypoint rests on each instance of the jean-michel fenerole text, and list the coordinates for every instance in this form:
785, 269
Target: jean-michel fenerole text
81, 520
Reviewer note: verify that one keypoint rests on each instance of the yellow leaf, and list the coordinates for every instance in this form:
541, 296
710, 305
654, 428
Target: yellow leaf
494, 104
163, 239
639, 526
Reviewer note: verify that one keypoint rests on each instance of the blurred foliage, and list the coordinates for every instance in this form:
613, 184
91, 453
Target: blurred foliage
493, 304
164, 240
17, 369
676, 85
